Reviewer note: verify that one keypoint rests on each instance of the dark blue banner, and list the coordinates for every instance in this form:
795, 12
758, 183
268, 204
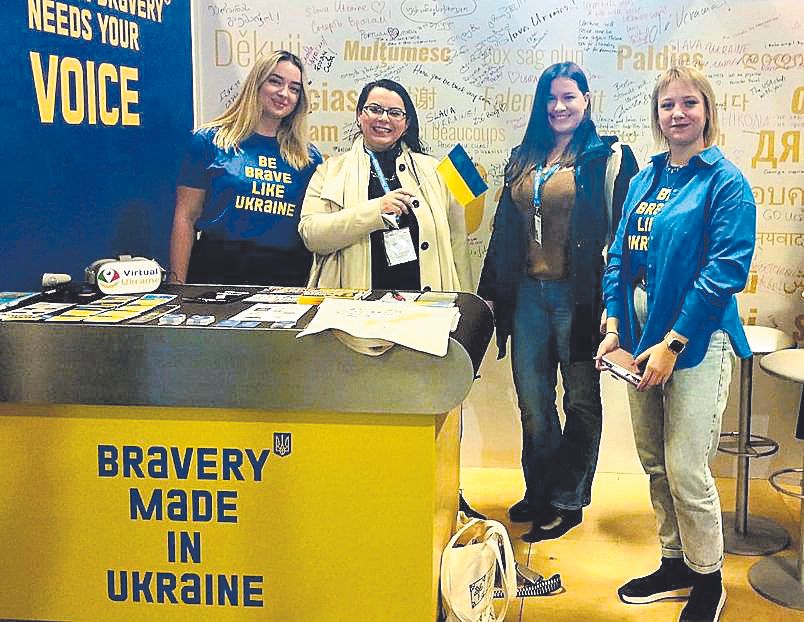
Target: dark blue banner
95, 106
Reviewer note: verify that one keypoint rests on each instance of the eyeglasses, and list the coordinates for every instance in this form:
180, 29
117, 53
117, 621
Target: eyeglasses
375, 111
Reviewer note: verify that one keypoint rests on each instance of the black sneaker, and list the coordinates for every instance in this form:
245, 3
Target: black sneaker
673, 579
707, 599
520, 512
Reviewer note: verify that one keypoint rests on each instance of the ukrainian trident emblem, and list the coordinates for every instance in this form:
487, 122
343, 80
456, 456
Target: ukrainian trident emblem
282, 444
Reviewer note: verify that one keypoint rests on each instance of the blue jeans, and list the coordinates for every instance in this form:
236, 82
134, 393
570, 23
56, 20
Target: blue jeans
676, 429
558, 465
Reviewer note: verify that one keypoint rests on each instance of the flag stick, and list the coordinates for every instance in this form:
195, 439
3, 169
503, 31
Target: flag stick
429, 176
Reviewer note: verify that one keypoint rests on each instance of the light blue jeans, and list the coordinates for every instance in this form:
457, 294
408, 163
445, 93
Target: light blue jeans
677, 428
558, 465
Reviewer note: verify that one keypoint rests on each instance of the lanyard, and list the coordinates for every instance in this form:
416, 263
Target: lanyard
539, 179
380, 175
375, 164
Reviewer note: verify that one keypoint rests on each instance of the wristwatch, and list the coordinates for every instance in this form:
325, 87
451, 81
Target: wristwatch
674, 344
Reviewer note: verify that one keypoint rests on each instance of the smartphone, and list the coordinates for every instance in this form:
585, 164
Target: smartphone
621, 364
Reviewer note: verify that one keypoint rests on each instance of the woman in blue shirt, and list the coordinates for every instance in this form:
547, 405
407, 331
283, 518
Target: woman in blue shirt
681, 253
241, 185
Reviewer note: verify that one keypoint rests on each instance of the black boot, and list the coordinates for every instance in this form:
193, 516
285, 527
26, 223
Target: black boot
707, 599
520, 512
673, 579
467, 509
550, 528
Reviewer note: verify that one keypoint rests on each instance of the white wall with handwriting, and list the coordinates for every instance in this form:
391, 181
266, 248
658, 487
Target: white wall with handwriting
471, 68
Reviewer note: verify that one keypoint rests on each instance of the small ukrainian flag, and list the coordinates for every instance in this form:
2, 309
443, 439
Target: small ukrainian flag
461, 176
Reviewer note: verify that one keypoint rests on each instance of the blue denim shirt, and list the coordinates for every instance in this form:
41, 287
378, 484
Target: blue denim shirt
699, 254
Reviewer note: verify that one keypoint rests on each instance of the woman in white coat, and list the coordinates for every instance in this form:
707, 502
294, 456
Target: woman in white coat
378, 217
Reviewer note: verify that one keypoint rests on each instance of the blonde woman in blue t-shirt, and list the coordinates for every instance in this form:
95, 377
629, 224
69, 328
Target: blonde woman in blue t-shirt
241, 185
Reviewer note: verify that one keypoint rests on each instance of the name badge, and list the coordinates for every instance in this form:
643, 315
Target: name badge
537, 227
398, 246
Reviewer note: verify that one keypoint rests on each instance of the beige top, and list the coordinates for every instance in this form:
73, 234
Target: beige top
337, 218
549, 260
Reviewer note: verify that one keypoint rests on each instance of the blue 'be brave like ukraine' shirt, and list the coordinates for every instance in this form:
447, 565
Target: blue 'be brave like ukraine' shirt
251, 194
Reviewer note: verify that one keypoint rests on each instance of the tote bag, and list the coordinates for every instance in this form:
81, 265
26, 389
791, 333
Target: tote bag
469, 565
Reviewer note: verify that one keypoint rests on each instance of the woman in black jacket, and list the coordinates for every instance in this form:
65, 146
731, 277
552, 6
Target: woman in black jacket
563, 195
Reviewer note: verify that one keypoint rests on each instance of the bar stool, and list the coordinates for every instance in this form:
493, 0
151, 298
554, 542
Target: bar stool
781, 578
744, 534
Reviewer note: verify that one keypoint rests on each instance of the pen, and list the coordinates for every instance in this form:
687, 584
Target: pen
397, 296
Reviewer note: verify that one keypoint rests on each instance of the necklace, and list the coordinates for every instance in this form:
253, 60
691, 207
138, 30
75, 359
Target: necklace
670, 176
672, 168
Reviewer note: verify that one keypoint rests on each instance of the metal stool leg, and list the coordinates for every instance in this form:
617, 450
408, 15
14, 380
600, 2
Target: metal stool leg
781, 578
744, 535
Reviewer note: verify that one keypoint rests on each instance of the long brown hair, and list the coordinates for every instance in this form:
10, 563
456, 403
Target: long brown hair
539, 138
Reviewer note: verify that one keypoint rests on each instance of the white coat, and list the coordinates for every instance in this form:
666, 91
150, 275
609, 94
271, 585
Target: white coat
337, 218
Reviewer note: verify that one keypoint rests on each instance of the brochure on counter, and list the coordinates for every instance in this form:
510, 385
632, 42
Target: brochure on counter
262, 312
106, 310
12, 299
304, 295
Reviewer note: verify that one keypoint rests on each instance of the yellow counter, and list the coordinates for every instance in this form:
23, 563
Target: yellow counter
168, 511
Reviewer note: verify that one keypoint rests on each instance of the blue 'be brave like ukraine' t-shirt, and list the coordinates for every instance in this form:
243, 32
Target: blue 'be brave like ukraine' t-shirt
641, 219
251, 194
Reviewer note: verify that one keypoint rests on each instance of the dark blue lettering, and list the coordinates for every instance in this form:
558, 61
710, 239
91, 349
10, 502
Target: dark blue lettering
141, 586
258, 462
223, 506
136, 505
158, 468
165, 585
190, 591
190, 547
177, 504
114, 595
231, 462
107, 460
132, 459
182, 466
252, 591
171, 547
227, 590
208, 582
202, 498
206, 460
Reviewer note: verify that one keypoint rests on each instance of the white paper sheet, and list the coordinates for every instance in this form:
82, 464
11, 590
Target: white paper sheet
421, 328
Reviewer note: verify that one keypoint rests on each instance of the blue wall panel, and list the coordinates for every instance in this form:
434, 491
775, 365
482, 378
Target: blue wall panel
82, 186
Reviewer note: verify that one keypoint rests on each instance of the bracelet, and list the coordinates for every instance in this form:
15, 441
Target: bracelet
613, 332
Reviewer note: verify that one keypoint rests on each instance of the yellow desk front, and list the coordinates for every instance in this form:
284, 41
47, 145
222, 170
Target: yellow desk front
154, 473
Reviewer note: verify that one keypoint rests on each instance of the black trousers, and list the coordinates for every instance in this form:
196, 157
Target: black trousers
244, 263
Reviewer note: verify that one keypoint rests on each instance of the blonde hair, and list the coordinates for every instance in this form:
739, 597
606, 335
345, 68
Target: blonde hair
694, 77
242, 118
